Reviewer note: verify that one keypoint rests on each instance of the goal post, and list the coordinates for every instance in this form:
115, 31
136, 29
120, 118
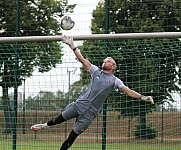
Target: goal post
49, 77
94, 37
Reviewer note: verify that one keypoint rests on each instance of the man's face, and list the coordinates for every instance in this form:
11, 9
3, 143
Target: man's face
108, 64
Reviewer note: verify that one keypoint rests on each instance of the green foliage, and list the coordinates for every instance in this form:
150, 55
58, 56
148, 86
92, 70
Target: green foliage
46, 100
147, 66
138, 16
34, 18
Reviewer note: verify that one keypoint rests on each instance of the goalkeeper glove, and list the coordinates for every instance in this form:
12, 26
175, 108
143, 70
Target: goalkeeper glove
69, 41
147, 99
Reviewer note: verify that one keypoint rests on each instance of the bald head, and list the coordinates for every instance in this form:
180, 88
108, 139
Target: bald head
109, 64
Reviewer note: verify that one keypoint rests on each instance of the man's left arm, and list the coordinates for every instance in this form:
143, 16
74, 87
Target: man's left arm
136, 95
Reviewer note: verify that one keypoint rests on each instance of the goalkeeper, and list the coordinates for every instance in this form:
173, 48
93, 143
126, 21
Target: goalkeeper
89, 103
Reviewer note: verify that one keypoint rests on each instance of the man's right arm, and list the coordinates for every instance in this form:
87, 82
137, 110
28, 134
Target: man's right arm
69, 41
84, 61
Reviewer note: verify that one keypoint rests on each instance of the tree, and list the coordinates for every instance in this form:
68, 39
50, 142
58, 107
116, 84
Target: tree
36, 18
46, 100
139, 60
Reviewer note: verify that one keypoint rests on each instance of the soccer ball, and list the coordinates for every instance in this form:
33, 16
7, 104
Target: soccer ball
66, 23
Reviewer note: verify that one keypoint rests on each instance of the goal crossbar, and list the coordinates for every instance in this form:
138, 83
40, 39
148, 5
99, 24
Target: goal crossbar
94, 37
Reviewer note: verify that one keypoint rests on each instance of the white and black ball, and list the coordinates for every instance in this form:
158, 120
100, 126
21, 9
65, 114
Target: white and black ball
66, 23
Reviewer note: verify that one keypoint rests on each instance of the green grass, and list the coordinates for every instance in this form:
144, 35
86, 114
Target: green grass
47, 145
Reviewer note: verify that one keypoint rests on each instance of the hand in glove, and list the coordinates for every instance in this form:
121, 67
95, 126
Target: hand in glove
147, 99
69, 41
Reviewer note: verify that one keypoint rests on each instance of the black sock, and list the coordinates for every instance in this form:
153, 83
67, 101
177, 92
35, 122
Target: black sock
57, 120
69, 141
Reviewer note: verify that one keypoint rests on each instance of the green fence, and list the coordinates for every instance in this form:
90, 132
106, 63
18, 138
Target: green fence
38, 79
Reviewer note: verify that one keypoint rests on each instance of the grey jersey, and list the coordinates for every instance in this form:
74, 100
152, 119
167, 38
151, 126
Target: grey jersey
101, 85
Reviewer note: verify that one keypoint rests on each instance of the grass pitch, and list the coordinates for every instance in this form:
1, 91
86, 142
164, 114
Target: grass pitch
43, 145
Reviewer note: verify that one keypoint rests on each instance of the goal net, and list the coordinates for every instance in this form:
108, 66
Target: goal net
48, 77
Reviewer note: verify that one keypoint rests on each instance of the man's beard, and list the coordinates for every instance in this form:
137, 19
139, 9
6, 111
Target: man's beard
106, 68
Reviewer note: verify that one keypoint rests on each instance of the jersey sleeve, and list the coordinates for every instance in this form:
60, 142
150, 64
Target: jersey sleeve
92, 69
118, 83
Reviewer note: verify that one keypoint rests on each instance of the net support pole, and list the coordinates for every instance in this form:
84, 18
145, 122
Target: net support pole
15, 103
106, 52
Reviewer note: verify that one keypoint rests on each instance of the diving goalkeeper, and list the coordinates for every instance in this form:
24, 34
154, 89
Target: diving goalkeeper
89, 103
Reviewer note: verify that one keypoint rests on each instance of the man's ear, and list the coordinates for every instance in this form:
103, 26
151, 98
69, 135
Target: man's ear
113, 68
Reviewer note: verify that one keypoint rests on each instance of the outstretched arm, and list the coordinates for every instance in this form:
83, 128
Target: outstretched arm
135, 94
69, 41
130, 92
